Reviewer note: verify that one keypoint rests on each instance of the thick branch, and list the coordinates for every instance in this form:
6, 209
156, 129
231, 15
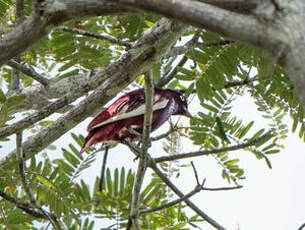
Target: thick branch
206, 16
242, 6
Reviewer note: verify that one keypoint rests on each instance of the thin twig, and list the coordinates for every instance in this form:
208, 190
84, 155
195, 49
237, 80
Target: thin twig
4, 217
301, 227
277, 5
27, 207
103, 169
168, 77
97, 36
222, 188
172, 129
189, 46
28, 71
174, 202
211, 151
195, 172
178, 50
25, 186
247, 81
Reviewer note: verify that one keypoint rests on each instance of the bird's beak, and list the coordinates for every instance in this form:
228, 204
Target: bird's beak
187, 114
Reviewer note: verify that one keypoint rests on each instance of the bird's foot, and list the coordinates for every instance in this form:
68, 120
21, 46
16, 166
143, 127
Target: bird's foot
136, 158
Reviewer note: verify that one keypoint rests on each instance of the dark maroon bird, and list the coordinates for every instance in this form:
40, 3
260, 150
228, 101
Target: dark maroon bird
112, 124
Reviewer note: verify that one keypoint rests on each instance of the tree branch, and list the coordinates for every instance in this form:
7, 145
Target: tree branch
20, 157
189, 46
241, 6
149, 98
15, 76
97, 36
203, 15
211, 151
168, 77
222, 188
4, 217
28, 71
195, 172
174, 202
27, 207
103, 169
301, 227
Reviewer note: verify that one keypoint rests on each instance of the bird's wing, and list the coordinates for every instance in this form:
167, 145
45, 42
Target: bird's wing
119, 106
126, 107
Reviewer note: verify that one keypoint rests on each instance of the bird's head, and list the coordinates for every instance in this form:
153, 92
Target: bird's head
181, 104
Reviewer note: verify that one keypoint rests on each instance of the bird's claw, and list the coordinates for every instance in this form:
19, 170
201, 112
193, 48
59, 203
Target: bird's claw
136, 158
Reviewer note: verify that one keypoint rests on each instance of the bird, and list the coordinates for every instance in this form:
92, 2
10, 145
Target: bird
113, 124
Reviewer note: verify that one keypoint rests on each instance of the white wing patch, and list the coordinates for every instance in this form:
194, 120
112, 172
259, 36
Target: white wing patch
138, 111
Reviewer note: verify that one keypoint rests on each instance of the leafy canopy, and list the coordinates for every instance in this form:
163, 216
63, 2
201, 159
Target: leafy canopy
214, 70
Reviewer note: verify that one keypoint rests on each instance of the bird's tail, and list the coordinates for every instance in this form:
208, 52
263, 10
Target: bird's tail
89, 141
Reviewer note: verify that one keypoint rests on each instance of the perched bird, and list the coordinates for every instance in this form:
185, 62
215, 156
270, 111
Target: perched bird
127, 112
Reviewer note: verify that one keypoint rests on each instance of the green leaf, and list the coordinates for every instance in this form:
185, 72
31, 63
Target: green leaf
2, 97
3, 113
209, 107
15, 100
70, 158
245, 130
221, 130
231, 162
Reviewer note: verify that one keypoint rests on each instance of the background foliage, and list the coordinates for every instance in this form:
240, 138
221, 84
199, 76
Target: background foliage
214, 71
